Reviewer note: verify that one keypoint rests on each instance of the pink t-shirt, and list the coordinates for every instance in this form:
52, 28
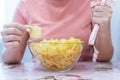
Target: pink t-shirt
58, 19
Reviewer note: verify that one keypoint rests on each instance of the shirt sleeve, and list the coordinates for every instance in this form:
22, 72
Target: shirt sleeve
20, 13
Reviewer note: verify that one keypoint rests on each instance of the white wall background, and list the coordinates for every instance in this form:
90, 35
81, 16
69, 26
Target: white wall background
2, 13
115, 29
10, 6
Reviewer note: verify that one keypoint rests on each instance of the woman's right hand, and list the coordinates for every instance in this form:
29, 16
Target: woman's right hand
14, 37
13, 34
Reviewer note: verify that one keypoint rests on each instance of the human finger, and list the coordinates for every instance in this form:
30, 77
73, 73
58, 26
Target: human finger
9, 38
15, 25
102, 9
11, 31
12, 44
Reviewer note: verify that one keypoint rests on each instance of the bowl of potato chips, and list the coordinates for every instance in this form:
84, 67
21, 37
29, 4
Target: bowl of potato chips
57, 54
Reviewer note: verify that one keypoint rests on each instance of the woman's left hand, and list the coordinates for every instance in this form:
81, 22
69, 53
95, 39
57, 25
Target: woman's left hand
102, 15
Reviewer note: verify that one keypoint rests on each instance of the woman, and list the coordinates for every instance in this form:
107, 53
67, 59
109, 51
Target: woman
58, 19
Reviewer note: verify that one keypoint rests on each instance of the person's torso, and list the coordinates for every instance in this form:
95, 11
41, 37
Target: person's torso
70, 20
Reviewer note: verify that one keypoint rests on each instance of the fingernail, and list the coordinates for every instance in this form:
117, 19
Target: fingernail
92, 4
27, 28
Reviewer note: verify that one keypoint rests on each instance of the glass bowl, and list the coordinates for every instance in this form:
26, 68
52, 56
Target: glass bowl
57, 55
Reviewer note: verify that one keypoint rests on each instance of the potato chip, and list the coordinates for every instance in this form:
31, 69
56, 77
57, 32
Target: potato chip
35, 31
